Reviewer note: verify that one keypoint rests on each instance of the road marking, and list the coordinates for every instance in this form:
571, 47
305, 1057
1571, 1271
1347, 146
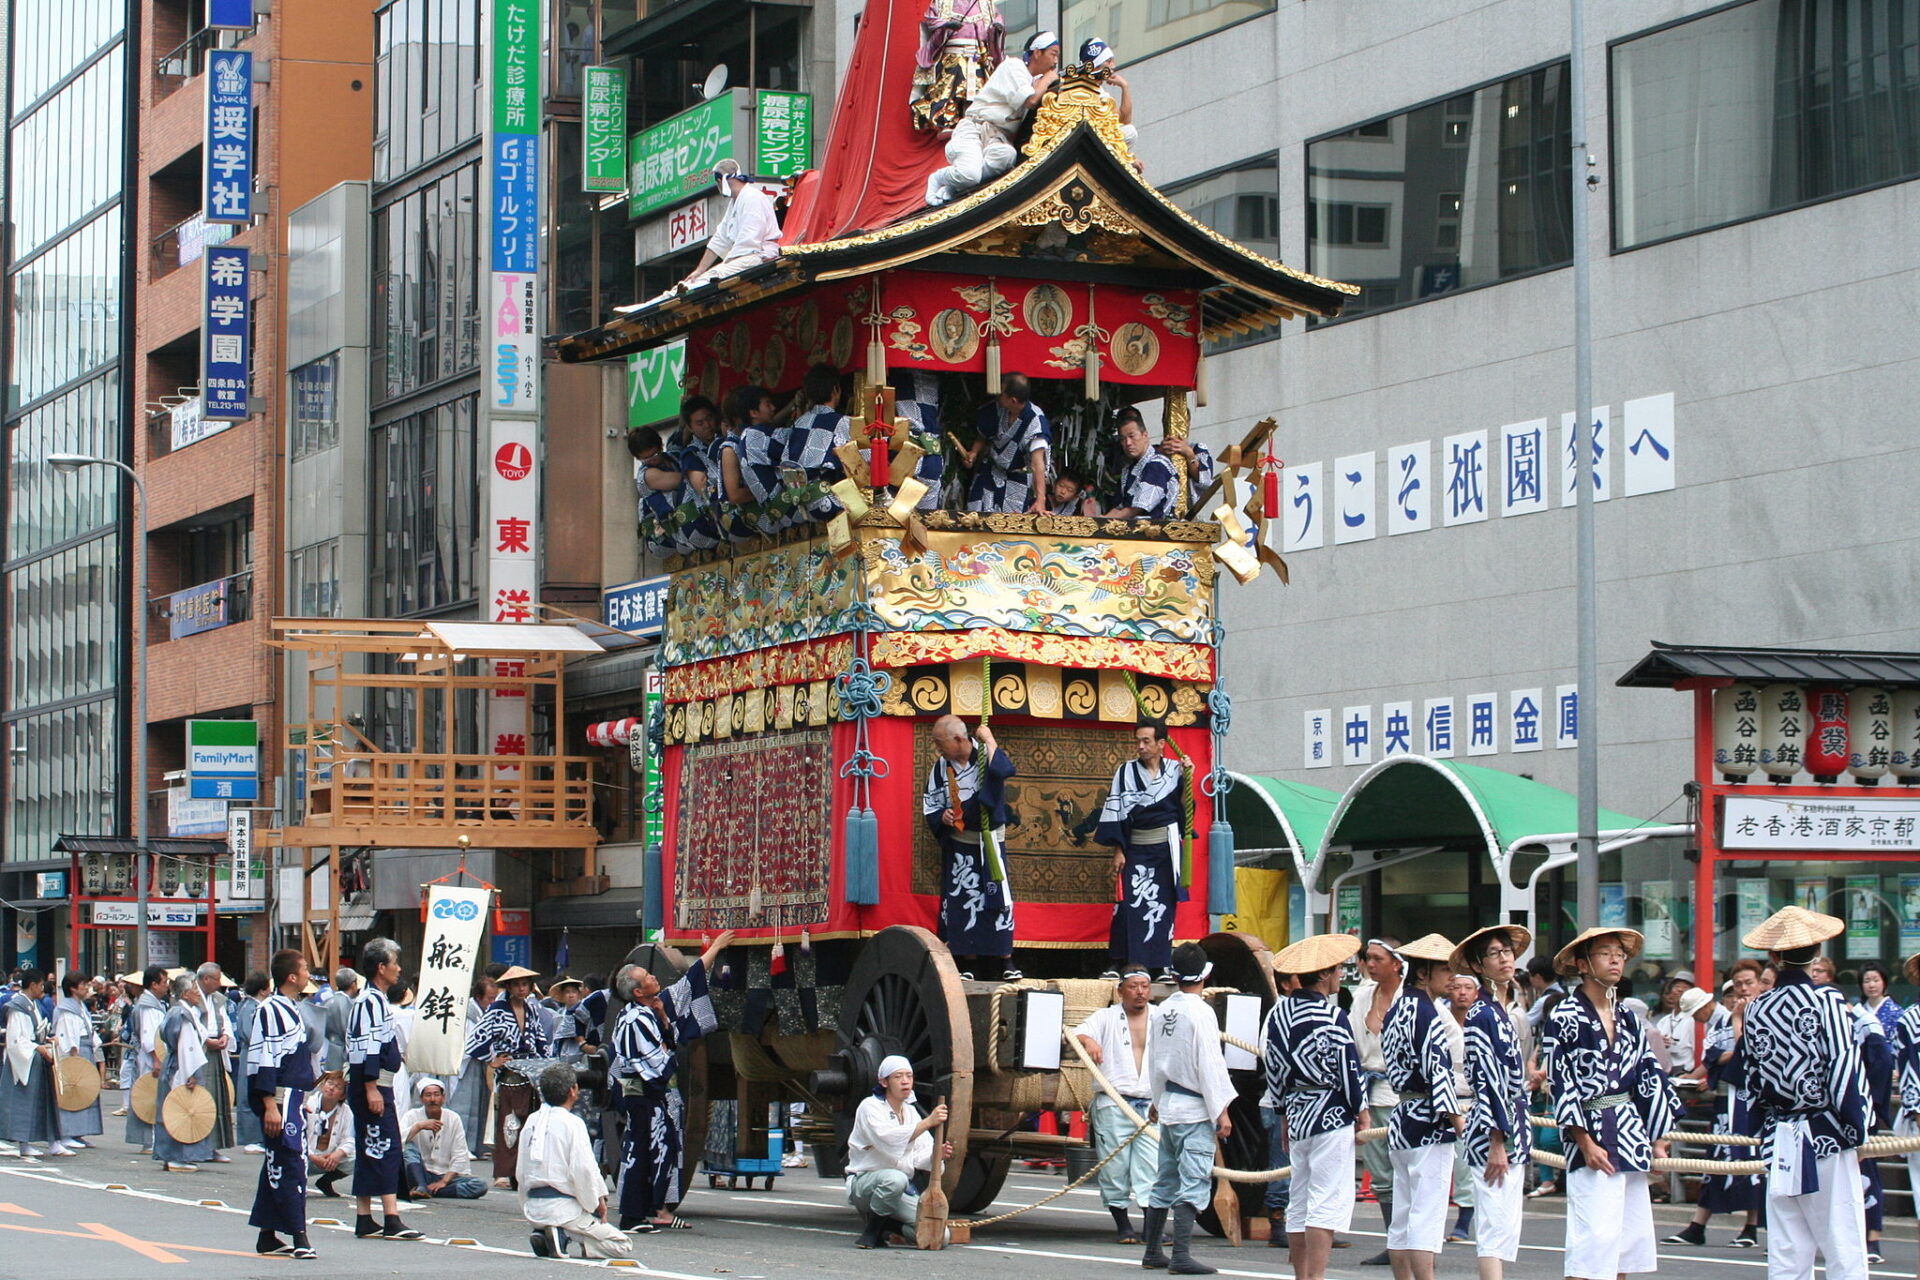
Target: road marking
101, 1233
14, 1208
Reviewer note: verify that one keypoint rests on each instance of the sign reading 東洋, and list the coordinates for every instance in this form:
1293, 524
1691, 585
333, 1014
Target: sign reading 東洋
225, 372
227, 152
673, 161
603, 126
637, 608
223, 759
1766, 822
653, 384
782, 134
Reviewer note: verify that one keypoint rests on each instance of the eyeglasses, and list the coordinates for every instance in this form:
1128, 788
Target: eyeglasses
1496, 953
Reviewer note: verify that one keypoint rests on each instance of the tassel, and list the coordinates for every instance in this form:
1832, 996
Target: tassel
652, 892
876, 359
806, 942
1093, 367
753, 900
777, 962
862, 858
1200, 377
1222, 899
993, 361
1270, 494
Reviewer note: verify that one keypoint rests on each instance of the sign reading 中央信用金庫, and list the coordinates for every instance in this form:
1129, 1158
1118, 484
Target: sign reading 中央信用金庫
673, 161
227, 167
653, 384
1765, 822
456, 917
223, 759
782, 134
603, 125
226, 338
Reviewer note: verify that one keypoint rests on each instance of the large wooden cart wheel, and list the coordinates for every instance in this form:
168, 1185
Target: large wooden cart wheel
904, 996
1242, 961
667, 964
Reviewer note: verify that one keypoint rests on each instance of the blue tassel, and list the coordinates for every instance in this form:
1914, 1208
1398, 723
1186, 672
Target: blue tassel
653, 890
862, 857
1221, 898
870, 850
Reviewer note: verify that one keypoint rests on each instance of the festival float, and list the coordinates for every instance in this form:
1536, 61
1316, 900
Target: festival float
803, 672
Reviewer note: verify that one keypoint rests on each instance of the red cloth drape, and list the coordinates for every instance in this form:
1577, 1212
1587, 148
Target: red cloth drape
876, 163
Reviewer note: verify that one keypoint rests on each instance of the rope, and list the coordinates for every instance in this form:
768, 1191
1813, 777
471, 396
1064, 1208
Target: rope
1678, 1135
977, 1223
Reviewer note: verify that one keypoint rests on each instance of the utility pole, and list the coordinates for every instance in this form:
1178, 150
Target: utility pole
1586, 676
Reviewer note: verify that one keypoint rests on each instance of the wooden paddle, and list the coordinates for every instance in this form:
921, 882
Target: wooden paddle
930, 1227
1226, 1201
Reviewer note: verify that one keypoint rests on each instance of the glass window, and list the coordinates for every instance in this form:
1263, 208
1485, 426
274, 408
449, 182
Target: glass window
313, 580
62, 775
65, 609
427, 82
71, 147
1759, 108
1242, 203
426, 510
1463, 192
45, 507
66, 310
426, 303
1878, 900
52, 37
316, 407
1143, 27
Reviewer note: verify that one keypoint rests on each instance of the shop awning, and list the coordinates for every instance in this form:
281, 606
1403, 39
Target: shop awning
1670, 664
1268, 813
1413, 801
172, 846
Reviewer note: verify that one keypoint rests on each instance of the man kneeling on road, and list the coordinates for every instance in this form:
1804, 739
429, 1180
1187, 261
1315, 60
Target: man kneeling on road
562, 1192
890, 1141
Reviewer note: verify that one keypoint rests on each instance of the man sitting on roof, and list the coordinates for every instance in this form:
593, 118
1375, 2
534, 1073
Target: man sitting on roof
981, 148
748, 236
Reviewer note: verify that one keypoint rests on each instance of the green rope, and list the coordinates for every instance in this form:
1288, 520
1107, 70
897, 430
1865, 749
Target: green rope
988, 844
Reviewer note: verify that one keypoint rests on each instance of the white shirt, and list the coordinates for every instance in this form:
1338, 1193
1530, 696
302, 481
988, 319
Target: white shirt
442, 1152
1110, 1029
1002, 100
1678, 1030
1185, 1037
556, 1152
1457, 1046
750, 229
882, 1140
328, 1131
1367, 1043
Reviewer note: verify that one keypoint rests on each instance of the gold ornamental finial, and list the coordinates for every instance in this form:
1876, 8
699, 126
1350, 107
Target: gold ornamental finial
1076, 97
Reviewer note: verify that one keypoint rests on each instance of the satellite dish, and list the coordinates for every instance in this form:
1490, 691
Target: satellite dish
715, 84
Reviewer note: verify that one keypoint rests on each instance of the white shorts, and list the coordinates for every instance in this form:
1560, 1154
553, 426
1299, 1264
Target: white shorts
1496, 1213
1609, 1225
1421, 1178
1830, 1222
1322, 1192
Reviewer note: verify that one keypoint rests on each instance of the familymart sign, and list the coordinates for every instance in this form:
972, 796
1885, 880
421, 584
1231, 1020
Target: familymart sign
223, 759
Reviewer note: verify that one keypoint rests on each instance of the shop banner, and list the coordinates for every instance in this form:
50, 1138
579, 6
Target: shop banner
1764, 822
1656, 918
1863, 917
604, 126
1613, 905
1909, 915
673, 161
1347, 910
227, 166
782, 134
455, 921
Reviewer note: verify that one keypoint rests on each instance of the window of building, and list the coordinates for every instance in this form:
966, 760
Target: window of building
66, 309
52, 37
426, 510
426, 82
71, 143
1470, 190
1242, 203
1761, 107
426, 286
62, 775
45, 507
316, 407
1144, 27
65, 611
313, 580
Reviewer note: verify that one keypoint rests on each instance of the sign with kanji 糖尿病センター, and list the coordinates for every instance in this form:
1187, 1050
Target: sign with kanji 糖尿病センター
603, 124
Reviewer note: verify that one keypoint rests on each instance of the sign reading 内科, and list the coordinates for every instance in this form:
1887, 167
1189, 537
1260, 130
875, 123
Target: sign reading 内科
688, 227
227, 166
1767, 822
226, 323
604, 130
782, 134
223, 759
456, 917
673, 161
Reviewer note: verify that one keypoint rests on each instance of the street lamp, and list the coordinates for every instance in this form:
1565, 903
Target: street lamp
67, 464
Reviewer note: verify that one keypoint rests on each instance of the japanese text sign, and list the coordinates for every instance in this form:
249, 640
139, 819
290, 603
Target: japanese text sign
225, 335
455, 920
604, 125
227, 167
516, 60
673, 161
782, 134
637, 608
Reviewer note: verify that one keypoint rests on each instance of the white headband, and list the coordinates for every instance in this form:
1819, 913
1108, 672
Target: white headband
891, 1063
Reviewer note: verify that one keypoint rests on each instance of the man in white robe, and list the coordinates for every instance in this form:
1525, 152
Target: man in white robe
561, 1187
1191, 1092
981, 148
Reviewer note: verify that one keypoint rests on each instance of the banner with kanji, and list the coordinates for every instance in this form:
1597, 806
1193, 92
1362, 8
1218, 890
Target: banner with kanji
455, 920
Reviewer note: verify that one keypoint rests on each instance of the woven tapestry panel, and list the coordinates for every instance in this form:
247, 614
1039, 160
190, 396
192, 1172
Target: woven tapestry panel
756, 831
1063, 774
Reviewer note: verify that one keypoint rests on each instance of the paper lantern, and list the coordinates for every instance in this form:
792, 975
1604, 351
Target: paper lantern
1826, 750
1783, 730
1736, 731
1869, 734
1903, 756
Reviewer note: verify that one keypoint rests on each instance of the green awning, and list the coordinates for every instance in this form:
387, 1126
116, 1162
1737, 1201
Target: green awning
1268, 813
1411, 801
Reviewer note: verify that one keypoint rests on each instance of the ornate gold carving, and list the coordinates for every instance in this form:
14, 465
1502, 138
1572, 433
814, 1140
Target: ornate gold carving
1078, 208
928, 693
1116, 700
1178, 419
1077, 97
967, 690
1081, 698
1043, 692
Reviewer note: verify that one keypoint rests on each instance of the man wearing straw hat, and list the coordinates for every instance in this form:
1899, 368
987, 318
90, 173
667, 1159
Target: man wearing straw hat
1191, 1092
1810, 1100
1426, 1124
1498, 1137
1313, 1068
1906, 1061
1612, 1100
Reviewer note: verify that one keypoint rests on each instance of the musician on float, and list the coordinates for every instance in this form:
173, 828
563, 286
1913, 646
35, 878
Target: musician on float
965, 806
1144, 820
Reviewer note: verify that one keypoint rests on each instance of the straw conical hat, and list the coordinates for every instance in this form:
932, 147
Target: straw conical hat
1433, 947
1517, 937
1566, 963
513, 972
76, 1083
1322, 951
144, 1091
1791, 928
1912, 968
188, 1115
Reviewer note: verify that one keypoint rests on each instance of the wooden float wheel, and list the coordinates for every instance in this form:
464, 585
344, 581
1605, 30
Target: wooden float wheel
1242, 961
980, 1181
691, 1070
904, 996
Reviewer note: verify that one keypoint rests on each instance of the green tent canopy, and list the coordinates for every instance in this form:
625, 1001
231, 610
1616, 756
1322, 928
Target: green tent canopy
1268, 813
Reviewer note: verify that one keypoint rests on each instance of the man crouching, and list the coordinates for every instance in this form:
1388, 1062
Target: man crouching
561, 1190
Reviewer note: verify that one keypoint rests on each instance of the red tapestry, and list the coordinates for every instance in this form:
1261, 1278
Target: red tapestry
772, 344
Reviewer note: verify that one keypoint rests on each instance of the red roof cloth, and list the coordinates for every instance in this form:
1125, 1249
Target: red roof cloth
876, 163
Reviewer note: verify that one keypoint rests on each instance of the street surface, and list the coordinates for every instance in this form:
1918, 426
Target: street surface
109, 1215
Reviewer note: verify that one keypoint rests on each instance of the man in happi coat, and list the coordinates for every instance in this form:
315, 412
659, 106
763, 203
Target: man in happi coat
1148, 486
965, 806
1811, 1107
1011, 452
1906, 1064
216, 1024
1313, 1069
512, 1028
1425, 1126
373, 1056
1726, 1069
1144, 820
74, 1037
1612, 1100
961, 42
27, 1112
279, 1071
655, 1021
1498, 1136
1187, 1076
184, 1036
143, 1037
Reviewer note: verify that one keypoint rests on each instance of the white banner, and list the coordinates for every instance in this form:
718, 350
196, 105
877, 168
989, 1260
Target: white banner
455, 920
1763, 822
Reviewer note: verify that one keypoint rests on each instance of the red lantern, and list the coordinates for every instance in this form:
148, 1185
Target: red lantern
1827, 736
1270, 488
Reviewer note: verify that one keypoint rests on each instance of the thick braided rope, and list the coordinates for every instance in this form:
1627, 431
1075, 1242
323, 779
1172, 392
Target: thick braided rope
976, 1223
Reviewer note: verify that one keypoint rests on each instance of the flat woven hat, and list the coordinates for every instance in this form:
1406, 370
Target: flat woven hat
145, 1089
188, 1115
1791, 928
514, 972
1322, 951
1912, 968
1517, 937
76, 1083
1566, 963
1433, 947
